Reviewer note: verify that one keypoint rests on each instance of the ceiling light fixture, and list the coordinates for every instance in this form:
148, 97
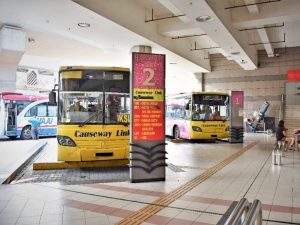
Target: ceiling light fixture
235, 53
204, 18
84, 24
31, 40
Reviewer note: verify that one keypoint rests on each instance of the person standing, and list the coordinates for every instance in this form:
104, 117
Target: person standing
35, 126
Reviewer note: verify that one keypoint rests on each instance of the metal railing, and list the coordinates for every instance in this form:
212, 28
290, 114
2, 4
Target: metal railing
243, 213
254, 215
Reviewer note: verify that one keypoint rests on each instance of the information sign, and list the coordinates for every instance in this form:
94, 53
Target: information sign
148, 97
147, 152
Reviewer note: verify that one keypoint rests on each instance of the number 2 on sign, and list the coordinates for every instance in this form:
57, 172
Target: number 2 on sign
149, 80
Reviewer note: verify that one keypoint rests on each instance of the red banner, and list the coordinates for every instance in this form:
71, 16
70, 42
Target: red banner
148, 120
294, 75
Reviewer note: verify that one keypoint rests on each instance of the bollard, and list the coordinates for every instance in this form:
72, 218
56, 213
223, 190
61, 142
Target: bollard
276, 156
281, 145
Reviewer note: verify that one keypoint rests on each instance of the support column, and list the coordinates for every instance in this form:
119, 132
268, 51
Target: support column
12, 48
141, 48
200, 78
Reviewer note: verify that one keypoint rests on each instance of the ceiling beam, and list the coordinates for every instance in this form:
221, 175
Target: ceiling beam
123, 15
254, 10
266, 40
167, 4
274, 13
219, 30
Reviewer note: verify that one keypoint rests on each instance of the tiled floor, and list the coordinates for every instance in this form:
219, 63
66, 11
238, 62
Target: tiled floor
251, 175
13, 154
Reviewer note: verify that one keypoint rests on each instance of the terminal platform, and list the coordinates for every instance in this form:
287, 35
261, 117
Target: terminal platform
202, 180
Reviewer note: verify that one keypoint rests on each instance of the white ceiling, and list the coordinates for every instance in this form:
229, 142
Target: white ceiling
118, 25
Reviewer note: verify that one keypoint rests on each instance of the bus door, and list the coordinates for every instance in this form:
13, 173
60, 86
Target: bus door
11, 119
184, 111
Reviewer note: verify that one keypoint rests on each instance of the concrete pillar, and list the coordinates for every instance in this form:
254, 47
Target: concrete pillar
141, 48
200, 78
12, 48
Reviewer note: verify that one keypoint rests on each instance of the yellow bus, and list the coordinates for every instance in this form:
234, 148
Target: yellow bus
198, 115
93, 113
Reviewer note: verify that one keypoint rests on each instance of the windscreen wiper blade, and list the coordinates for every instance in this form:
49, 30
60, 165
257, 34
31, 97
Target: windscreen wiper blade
89, 119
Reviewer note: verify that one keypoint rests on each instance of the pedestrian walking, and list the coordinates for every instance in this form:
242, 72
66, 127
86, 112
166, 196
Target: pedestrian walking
35, 126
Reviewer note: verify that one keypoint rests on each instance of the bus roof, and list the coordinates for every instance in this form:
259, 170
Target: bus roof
14, 96
209, 93
197, 92
9, 93
66, 68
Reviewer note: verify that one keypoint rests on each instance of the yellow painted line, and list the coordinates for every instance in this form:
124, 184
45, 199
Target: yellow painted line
145, 213
86, 164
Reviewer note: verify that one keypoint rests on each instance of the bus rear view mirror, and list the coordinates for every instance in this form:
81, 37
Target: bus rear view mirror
52, 98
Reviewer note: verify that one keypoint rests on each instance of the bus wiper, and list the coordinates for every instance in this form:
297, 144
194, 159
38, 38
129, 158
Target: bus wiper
126, 124
89, 119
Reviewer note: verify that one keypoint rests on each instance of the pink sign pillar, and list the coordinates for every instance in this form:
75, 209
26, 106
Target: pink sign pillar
236, 117
147, 139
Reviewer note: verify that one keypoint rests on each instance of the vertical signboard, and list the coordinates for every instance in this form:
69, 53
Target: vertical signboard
292, 93
147, 139
236, 117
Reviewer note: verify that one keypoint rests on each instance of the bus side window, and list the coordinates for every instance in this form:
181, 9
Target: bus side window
42, 110
183, 114
52, 111
31, 112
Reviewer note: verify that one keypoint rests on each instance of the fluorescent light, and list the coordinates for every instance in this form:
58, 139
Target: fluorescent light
31, 40
82, 24
235, 53
204, 18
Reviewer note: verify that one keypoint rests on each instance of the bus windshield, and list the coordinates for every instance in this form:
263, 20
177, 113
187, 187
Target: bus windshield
93, 97
209, 107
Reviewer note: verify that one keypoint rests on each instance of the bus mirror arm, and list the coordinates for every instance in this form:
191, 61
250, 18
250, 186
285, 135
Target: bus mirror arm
55, 88
52, 95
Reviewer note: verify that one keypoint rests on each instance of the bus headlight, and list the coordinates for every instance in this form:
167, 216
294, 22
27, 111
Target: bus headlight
65, 141
197, 129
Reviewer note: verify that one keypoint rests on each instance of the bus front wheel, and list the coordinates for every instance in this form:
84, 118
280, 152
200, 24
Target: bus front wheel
176, 132
26, 133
